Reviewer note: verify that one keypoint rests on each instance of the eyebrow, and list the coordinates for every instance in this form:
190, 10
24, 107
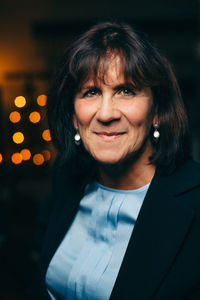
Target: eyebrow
88, 87
118, 86
125, 84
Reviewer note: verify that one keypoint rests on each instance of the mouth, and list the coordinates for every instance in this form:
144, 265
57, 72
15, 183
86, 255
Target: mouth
110, 136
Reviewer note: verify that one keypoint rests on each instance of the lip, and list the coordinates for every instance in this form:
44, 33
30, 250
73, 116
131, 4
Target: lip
110, 136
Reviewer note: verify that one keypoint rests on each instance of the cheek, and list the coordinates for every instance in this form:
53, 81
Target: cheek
83, 112
138, 115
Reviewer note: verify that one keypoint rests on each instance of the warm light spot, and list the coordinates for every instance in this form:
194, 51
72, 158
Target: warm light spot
18, 137
38, 159
14, 117
47, 154
20, 101
42, 100
1, 158
26, 154
46, 135
16, 158
34, 117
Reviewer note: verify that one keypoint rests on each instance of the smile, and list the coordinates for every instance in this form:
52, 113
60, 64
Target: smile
109, 136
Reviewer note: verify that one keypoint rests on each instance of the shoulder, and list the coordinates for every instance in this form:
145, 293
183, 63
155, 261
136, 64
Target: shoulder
184, 178
187, 176
189, 166
186, 185
182, 186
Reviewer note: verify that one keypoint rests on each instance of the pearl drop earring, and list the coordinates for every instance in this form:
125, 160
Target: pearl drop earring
156, 133
77, 138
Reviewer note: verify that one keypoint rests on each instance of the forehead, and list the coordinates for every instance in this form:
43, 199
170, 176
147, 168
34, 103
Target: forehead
114, 72
110, 71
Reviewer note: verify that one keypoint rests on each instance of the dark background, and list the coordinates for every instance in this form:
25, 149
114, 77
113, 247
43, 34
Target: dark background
33, 35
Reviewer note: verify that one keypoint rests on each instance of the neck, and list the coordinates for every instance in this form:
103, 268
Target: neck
128, 175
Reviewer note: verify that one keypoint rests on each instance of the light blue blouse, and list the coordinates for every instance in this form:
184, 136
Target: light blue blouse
86, 264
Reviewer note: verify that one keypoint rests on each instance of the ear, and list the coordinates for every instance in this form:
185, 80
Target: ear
75, 123
155, 120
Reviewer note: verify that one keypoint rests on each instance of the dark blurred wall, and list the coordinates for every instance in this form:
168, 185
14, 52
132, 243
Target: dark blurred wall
33, 35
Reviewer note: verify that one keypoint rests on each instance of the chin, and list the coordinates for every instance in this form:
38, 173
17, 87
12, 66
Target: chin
108, 160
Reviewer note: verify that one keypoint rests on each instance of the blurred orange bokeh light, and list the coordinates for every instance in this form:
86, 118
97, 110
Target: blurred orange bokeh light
14, 117
46, 135
34, 117
47, 154
16, 158
26, 154
20, 101
1, 158
18, 137
42, 100
38, 159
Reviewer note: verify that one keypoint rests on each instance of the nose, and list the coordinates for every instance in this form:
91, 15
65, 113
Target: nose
108, 110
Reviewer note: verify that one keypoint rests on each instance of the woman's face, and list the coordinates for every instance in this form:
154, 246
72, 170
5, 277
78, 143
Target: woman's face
112, 117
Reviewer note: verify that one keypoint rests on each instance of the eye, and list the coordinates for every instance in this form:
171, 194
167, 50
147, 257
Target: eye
126, 91
91, 92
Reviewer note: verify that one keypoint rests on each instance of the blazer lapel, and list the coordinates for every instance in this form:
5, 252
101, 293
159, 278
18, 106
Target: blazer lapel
159, 231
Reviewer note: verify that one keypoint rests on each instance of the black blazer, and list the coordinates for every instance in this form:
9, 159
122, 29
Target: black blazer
162, 260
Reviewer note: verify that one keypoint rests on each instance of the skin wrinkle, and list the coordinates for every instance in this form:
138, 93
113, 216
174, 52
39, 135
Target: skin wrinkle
114, 126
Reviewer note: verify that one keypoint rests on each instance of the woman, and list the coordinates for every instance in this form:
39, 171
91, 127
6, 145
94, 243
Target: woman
126, 223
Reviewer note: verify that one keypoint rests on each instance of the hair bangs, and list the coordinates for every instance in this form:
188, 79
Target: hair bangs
94, 66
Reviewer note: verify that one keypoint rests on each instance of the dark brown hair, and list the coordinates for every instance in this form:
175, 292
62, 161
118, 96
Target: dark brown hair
144, 65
